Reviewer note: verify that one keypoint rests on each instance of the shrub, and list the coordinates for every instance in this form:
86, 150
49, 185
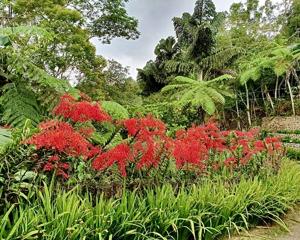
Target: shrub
143, 149
293, 153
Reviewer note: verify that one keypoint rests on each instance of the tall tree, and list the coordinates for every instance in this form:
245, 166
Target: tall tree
69, 54
27, 91
292, 27
195, 41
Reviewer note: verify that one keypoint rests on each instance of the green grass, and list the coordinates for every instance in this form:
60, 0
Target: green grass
202, 212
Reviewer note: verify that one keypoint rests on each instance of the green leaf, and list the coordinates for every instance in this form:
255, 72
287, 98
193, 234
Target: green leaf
115, 110
4, 41
5, 137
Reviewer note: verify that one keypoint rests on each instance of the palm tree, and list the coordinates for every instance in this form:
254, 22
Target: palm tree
199, 93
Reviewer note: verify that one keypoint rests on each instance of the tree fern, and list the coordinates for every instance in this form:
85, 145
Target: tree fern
220, 58
205, 94
19, 104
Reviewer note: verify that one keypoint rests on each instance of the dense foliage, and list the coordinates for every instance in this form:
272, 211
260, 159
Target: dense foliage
257, 44
144, 146
87, 152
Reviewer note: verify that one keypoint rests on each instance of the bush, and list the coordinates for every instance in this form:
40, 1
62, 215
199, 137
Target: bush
293, 153
201, 212
289, 131
83, 145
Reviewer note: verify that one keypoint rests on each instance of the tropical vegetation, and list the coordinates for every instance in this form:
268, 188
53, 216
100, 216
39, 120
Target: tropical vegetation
89, 152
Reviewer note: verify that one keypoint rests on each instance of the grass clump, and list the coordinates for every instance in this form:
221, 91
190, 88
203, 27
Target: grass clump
205, 211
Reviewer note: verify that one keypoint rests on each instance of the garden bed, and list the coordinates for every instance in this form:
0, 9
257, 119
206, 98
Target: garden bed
206, 211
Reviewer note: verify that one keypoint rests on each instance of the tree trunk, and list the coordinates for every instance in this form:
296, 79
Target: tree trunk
253, 105
279, 87
238, 114
263, 98
276, 88
291, 93
201, 115
270, 98
248, 106
200, 75
297, 79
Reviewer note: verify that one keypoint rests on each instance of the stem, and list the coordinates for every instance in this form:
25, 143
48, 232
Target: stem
269, 98
248, 106
238, 114
291, 93
276, 87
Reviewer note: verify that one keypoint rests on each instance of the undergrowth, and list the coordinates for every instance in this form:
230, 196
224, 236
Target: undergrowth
206, 211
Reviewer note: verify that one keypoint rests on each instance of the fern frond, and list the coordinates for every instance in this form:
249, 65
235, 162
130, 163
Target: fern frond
185, 80
172, 87
206, 103
178, 66
220, 79
5, 137
220, 58
198, 93
19, 104
215, 95
251, 74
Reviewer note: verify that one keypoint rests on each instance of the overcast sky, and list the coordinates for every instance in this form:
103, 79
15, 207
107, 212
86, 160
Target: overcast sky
155, 22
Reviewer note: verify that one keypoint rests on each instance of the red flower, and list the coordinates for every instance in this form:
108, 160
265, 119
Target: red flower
272, 140
48, 167
150, 140
230, 161
54, 158
120, 154
86, 132
59, 167
80, 111
259, 145
62, 138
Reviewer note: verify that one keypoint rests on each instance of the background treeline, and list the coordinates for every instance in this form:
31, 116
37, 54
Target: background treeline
242, 65
236, 66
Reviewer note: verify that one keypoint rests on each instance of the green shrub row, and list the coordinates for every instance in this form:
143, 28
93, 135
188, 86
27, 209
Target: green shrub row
289, 131
201, 212
293, 153
289, 139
